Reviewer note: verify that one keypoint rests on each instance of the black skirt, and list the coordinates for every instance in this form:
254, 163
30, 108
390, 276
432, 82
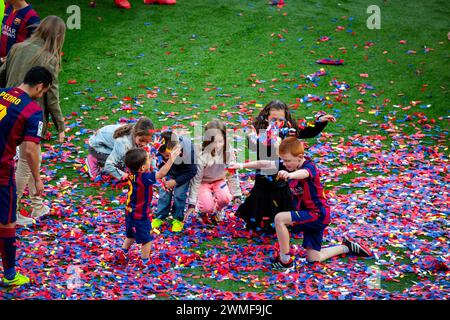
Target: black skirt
267, 198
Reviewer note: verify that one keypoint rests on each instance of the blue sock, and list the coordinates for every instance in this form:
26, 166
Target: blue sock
145, 261
125, 250
10, 273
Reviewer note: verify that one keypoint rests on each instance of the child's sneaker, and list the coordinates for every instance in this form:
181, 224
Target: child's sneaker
24, 221
219, 216
279, 265
167, 1
276, 256
356, 248
18, 280
204, 218
40, 213
157, 223
123, 4
177, 225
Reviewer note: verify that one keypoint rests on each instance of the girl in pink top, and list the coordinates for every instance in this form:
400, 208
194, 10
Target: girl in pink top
211, 189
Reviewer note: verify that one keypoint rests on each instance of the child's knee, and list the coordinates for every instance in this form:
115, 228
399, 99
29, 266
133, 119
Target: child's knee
223, 200
281, 218
206, 206
180, 196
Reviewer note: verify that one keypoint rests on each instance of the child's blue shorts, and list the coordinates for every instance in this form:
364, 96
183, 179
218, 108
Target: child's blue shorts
138, 229
310, 223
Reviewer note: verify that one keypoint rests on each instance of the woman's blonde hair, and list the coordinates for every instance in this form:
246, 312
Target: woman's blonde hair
52, 31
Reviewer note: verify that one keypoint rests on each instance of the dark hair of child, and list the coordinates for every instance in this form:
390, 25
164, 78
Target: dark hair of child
135, 158
143, 127
262, 121
170, 140
211, 129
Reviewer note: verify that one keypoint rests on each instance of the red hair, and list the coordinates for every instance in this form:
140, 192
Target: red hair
293, 146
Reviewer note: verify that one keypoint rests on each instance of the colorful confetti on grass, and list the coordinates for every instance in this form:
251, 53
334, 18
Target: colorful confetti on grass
397, 203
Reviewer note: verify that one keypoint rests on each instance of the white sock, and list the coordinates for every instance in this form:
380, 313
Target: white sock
346, 250
285, 257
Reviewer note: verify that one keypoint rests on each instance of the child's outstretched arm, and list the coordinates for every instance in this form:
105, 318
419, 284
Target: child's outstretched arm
260, 164
294, 175
166, 167
233, 181
317, 128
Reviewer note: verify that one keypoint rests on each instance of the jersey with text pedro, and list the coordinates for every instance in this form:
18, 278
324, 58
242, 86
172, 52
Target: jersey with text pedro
140, 194
308, 194
21, 119
17, 26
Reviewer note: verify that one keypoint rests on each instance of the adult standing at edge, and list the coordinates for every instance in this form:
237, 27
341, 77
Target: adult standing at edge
43, 48
21, 123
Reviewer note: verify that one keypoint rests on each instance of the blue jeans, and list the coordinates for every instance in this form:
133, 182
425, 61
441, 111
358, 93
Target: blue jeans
179, 195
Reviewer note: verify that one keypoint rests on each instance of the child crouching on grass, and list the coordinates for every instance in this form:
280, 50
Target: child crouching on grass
140, 181
311, 214
176, 184
211, 191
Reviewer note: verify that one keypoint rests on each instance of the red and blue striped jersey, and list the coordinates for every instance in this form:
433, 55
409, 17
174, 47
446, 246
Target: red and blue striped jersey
17, 26
21, 119
140, 194
308, 194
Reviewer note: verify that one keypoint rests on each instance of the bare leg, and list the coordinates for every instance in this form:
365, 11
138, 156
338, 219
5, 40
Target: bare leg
324, 254
145, 250
127, 243
282, 220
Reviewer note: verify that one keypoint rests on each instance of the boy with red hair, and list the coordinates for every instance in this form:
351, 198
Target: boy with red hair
311, 214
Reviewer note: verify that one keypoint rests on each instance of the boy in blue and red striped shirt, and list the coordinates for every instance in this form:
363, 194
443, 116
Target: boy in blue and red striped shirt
312, 212
19, 22
21, 122
140, 182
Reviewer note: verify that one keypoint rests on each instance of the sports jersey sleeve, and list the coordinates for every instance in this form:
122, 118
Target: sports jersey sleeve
149, 178
311, 170
311, 131
34, 127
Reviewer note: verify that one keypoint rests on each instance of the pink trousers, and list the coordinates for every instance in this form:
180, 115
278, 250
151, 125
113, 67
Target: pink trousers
213, 196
